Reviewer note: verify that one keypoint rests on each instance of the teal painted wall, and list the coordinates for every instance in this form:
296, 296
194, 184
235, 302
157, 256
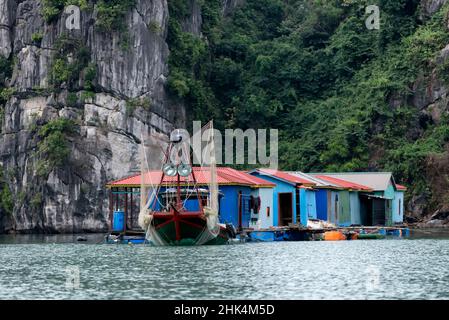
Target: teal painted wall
394, 205
390, 192
340, 210
379, 193
356, 215
398, 207
334, 207
307, 206
303, 207
344, 215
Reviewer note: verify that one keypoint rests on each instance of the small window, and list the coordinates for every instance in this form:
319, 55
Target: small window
268, 211
400, 207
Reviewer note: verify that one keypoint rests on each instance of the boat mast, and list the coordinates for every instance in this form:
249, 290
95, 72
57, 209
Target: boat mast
178, 194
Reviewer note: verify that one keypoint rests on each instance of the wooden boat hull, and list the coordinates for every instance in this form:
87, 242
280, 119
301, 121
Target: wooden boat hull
186, 229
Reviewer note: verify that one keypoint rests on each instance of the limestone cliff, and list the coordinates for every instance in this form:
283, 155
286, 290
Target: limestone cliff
126, 97
431, 99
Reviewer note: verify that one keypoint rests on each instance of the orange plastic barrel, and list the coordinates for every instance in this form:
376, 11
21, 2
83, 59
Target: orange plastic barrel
334, 236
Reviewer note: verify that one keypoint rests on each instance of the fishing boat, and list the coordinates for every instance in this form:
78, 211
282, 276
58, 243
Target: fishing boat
174, 209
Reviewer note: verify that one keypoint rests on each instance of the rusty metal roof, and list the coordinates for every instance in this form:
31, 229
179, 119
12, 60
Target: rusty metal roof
287, 177
377, 181
225, 176
343, 183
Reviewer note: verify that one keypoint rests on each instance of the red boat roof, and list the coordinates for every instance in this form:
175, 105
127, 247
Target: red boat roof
225, 176
401, 187
344, 183
286, 177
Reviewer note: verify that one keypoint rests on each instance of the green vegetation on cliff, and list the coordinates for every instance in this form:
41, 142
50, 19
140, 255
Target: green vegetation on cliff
71, 62
6, 199
51, 9
190, 61
53, 146
110, 14
341, 95
5, 93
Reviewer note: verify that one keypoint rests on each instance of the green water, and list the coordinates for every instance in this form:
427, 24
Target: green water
44, 268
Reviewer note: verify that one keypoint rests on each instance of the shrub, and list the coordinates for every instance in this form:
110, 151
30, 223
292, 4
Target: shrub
36, 38
6, 198
61, 71
6, 94
112, 13
68, 71
154, 27
178, 84
90, 73
133, 103
87, 95
53, 148
51, 9
36, 201
72, 99
5, 69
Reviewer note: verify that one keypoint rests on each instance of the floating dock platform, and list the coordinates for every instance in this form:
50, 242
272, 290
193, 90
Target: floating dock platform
290, 233
128, 237
297, 233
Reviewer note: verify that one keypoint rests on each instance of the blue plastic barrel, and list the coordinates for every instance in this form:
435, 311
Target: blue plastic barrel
118, 221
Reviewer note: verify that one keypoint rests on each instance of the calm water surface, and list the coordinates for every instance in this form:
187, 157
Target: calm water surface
38, 268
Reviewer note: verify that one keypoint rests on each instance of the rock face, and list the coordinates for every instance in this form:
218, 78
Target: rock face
105, 144
230, 5
7, 9
431, 100
429, 7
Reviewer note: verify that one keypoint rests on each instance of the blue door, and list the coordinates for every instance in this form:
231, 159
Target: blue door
321, 204
245, 210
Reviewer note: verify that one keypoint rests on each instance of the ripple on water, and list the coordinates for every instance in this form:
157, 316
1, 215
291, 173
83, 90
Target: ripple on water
296, 270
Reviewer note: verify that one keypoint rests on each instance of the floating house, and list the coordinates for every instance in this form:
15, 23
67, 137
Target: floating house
244, 200
338, 200
382, 205
293, 197
266, 198
343, 199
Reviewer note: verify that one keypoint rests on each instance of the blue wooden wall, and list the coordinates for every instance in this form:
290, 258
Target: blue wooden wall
281, 187
229, 208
